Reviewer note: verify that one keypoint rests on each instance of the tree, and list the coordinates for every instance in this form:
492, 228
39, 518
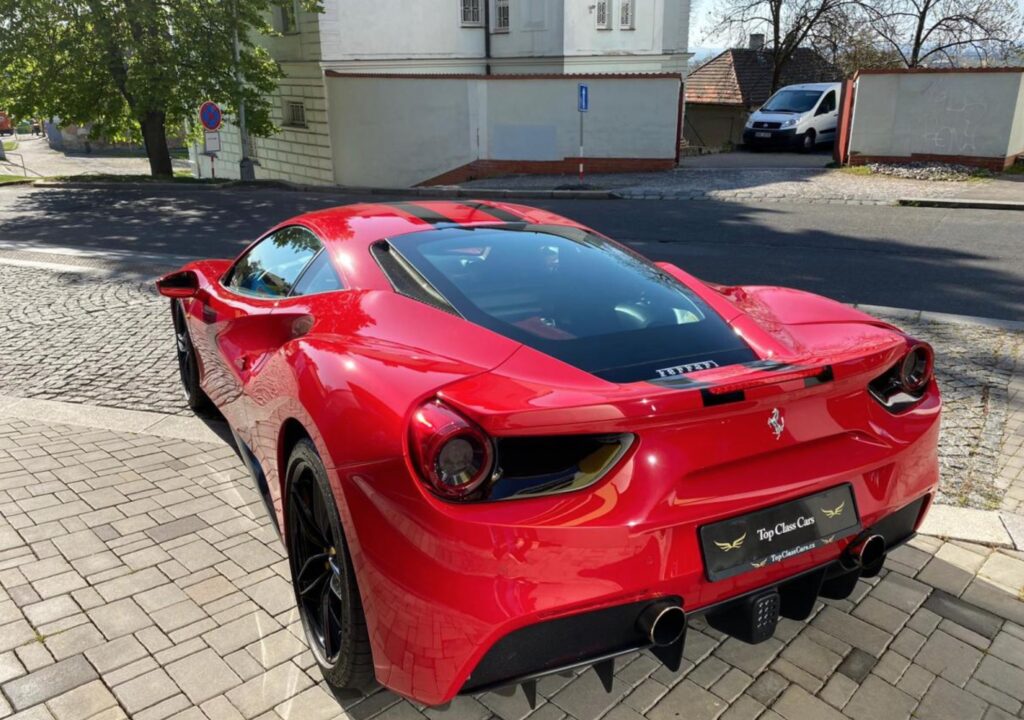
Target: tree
787, 24
134, 68
945, 31
845, 41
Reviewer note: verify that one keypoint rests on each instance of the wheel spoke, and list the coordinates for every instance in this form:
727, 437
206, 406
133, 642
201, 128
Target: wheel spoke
306, 585
335, 579
325, 621
323, 521
307, 524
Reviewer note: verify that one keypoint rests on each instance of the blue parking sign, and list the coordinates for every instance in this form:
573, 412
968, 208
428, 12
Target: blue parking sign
584, 98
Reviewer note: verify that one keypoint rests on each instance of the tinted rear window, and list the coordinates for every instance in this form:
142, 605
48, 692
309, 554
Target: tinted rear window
581, 299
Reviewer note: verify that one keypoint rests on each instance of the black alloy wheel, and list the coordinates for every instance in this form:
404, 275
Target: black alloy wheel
188, 363
325, 585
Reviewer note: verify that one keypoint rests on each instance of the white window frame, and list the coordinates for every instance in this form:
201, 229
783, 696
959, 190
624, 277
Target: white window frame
603, 14
502, 16
627, 14
471, 13
290, 121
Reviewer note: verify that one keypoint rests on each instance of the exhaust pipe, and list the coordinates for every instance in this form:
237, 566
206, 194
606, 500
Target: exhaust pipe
663, 623
866, 555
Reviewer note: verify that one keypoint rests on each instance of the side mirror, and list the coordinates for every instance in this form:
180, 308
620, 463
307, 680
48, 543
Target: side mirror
180, 284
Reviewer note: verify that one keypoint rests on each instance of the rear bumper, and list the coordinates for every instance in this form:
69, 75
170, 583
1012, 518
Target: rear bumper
452, 593
597, 636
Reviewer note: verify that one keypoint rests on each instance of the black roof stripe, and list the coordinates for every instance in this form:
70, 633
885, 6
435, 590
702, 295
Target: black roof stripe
496, 212
420, 213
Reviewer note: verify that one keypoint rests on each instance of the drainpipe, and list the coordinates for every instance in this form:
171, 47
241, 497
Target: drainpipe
487, 37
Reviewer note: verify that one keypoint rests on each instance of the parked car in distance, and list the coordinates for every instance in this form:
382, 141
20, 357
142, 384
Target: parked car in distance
6, 126
796, 116
498, 444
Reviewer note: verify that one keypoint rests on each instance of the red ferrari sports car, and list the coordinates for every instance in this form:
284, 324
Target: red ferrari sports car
497, 444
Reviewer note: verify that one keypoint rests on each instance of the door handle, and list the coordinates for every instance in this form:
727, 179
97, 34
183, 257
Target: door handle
209, 314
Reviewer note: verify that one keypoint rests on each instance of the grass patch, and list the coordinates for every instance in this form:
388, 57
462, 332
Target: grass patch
1015, 169
4, 179
10, 145
857, 170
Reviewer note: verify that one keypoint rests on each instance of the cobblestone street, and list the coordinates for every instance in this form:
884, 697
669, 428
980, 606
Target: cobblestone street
140, 576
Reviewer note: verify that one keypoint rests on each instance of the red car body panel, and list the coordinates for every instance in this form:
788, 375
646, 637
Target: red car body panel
441, 582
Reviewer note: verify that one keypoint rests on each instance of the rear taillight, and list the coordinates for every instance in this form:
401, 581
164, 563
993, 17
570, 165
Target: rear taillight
454, 456
902, 385
916, 369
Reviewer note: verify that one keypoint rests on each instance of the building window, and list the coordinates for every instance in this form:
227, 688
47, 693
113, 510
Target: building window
284, 17
604, 19
471, 14
626, 19
295, 113
501, 17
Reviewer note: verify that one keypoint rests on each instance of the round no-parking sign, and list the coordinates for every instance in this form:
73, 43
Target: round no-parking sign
210, 116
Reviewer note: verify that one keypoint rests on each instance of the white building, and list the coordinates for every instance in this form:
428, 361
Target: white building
340, 128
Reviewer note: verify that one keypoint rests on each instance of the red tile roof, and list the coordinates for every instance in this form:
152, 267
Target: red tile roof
744, 77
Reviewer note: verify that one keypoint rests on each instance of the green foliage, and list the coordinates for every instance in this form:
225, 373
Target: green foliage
122, 63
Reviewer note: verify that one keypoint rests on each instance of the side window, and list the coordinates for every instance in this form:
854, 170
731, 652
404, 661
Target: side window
828, 103
272, 266
320, 277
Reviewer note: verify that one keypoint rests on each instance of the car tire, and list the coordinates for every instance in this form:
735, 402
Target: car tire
188, 363
325, 586
809, 142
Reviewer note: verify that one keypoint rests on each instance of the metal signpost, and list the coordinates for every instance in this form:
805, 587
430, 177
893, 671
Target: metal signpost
583, 105
211, 118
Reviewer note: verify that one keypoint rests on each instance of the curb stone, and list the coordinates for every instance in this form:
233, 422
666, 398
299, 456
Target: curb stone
433, 191
962, 203
929, 316
191, 429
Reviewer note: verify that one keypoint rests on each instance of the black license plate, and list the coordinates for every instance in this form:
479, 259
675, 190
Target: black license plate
765, 537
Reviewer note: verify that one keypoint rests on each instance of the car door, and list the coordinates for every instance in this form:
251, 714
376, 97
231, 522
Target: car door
317, 293
826, 116
238, 315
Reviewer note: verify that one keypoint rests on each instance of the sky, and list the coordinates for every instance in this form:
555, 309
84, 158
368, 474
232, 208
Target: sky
701, 45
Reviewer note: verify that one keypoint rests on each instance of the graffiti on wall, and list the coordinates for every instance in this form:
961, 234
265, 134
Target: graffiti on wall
952, 115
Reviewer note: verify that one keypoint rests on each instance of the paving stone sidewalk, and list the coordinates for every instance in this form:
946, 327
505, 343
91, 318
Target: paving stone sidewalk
140, 577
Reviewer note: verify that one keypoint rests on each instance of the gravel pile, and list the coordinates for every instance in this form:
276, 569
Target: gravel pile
926, 171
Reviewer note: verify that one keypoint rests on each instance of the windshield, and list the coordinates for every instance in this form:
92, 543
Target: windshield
793, 101
577, 297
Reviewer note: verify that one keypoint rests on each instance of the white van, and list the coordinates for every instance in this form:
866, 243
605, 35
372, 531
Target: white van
798, 116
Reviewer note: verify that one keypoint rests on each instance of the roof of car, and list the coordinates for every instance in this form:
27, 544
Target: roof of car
811, 86
365, 223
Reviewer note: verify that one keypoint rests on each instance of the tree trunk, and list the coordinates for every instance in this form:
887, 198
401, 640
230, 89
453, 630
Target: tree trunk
155, 138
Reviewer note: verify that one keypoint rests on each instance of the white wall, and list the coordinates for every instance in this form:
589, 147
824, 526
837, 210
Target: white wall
538, 119
1017, 131
545, 36
396, 132
369, 30
948, 113
388, 132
